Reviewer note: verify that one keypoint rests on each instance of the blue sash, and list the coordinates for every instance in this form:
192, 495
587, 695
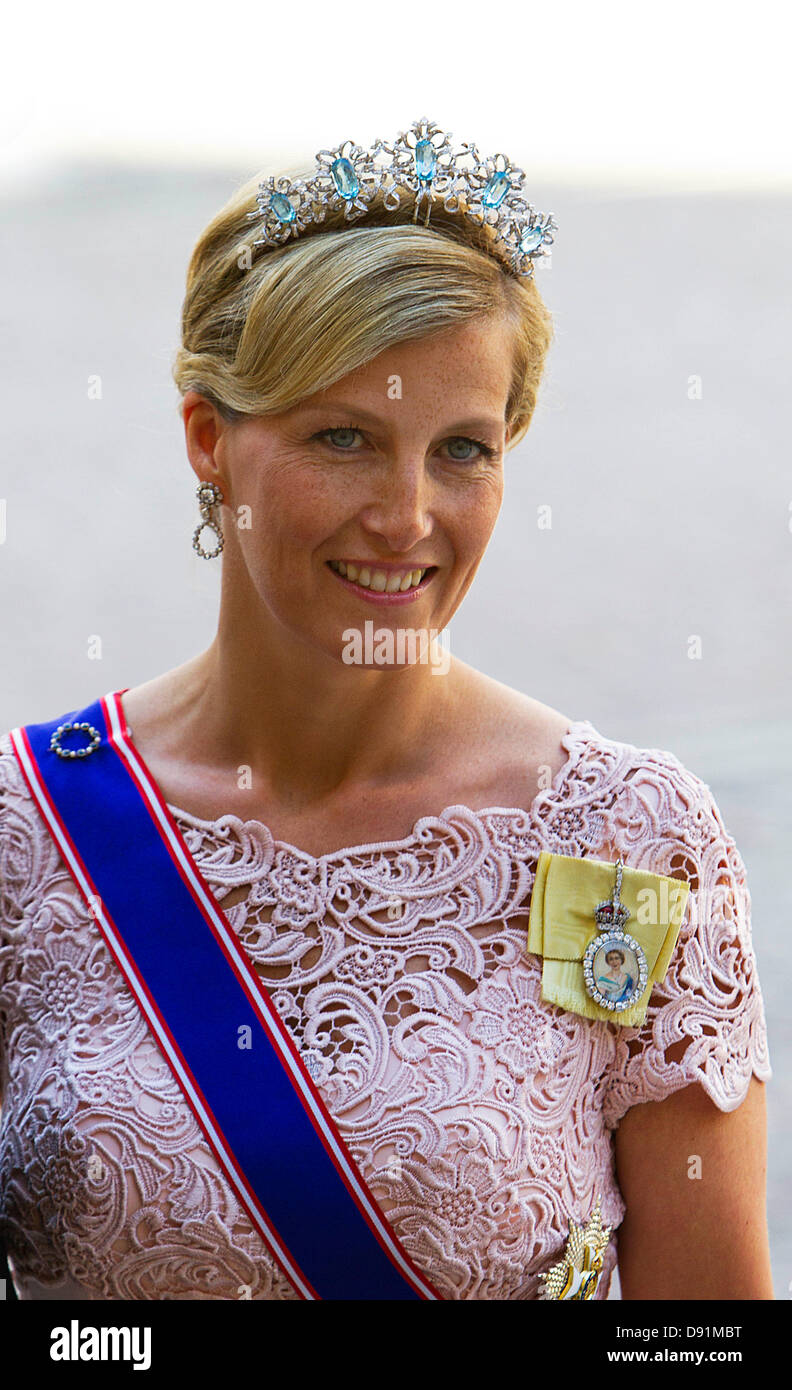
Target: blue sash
210, 1012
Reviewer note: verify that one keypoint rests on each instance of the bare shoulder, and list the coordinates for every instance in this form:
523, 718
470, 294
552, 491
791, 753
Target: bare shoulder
501, 713
160, 716
518, 739
154, 709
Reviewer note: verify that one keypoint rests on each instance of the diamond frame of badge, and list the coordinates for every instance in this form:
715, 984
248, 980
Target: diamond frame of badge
601, 941
488, 190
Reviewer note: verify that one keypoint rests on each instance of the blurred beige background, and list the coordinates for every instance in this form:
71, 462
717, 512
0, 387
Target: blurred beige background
660, 144
670, 515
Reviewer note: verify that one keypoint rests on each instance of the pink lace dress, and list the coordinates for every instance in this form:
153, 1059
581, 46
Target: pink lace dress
481, 1117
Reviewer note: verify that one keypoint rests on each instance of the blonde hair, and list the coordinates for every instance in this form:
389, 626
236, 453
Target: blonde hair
264, 328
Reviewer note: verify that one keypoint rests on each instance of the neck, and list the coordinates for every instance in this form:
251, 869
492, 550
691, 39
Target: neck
303, 721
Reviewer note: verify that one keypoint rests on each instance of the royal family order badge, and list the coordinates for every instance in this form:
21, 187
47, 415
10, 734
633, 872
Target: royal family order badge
577, 1275
591, 964
614, 965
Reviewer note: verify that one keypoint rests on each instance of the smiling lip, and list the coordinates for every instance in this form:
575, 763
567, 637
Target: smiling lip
379, 596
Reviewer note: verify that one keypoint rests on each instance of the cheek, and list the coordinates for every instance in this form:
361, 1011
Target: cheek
477, 515
293, 510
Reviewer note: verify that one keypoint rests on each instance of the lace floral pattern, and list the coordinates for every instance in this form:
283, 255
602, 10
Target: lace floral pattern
481, 1117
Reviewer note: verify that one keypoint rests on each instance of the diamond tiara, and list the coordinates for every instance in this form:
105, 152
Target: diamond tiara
488, 191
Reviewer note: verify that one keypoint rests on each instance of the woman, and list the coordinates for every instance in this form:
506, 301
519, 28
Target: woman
616, 980
371, 818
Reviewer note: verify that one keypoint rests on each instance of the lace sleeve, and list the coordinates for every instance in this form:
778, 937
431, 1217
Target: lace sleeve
15, 867
705, 1021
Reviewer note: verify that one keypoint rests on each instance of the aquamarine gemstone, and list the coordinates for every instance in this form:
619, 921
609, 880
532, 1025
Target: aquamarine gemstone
345, 178
425, 159
282, 208
496, 190
530, 239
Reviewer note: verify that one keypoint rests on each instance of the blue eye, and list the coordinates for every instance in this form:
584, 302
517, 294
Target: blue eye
479, 443
485, 450
338, 429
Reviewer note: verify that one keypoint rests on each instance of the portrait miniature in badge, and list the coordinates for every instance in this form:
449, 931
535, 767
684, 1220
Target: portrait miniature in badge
614, 965
615, 970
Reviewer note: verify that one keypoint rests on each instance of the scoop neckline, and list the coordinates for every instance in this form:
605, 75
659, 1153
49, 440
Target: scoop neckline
570, 741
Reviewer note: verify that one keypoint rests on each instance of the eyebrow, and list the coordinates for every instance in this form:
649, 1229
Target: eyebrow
478, 422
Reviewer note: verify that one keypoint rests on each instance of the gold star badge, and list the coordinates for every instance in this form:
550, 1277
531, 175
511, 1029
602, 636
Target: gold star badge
576, 1276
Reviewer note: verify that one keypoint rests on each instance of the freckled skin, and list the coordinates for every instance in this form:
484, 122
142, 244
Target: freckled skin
346, 755
401, 480
397, 494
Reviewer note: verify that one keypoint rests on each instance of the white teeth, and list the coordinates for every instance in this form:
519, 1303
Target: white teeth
379, 581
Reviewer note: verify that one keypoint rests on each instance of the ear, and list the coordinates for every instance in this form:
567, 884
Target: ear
203, 428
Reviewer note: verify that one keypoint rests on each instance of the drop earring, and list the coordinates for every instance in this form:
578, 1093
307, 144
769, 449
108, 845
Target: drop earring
208, 495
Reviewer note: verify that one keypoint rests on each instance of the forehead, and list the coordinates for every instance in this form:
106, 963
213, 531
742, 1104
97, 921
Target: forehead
467, 368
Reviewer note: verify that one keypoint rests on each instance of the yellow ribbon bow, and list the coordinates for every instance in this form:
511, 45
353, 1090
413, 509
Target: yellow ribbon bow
561, 924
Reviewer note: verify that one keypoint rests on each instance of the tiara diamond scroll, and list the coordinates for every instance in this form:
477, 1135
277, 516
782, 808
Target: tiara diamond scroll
487, 190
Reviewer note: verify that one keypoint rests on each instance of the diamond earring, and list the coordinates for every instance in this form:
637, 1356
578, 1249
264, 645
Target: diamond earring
208, 495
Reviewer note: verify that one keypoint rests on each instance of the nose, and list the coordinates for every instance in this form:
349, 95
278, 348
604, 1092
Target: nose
401, 511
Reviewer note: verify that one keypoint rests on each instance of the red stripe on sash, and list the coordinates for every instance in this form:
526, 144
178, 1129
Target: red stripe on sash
114, 941
258, 996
